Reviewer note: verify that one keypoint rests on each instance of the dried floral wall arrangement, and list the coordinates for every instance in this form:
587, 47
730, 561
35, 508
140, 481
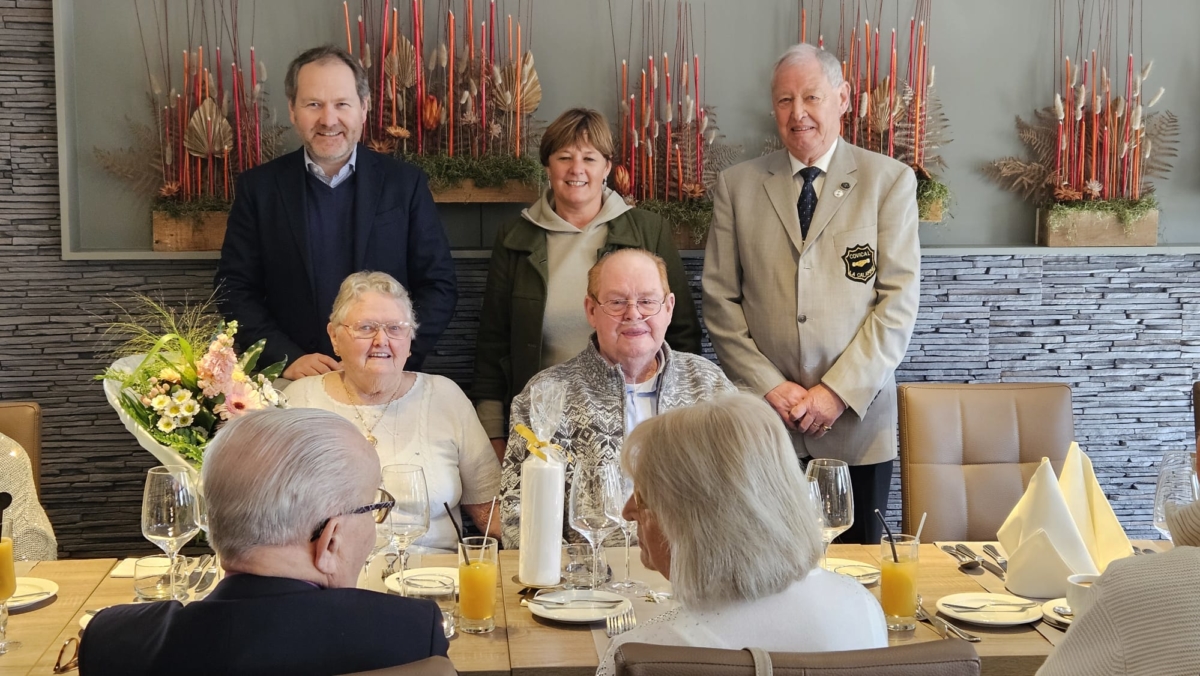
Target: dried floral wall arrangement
900, 118
1091, 152
462, 107
206, 99
670, 149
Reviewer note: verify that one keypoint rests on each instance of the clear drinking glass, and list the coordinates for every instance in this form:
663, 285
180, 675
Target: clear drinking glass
8, 583
837, 498
170, 511
595, 506
477, 579
202, 522
409, 518
898, 581
628, 586
1177, 485
155, 580
439, 589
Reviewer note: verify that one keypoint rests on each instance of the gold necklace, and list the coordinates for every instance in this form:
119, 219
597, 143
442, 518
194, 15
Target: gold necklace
370, 431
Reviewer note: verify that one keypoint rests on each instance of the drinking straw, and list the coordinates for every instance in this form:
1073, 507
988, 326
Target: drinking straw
891, 538
485, 527
921, 526
457, 533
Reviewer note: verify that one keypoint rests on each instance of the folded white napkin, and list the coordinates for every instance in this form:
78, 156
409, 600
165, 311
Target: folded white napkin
1060, 527
124, 568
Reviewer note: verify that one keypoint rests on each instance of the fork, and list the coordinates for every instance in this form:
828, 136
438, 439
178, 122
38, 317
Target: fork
986, 607
991, 551
619, 623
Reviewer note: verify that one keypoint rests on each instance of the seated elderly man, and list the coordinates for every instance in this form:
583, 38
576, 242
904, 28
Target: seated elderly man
626, 374
291, 498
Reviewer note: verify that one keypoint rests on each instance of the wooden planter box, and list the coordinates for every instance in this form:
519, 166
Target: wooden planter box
685, 240
202, 231
512, 192
1096, 228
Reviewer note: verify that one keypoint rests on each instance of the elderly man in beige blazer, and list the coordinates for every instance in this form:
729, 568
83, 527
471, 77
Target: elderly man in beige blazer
811, 280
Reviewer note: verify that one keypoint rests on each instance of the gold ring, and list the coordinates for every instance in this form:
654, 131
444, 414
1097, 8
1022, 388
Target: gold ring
827, 427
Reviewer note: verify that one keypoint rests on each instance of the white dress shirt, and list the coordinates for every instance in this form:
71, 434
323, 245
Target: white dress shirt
822, 163
342, 174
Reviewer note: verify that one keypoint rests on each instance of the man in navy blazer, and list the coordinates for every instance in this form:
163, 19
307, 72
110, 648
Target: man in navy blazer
304, 221
291, 495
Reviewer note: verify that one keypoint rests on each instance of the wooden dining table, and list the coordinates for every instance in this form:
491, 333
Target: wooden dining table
521, 645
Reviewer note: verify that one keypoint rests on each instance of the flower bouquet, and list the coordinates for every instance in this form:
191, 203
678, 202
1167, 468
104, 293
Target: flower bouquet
173, 398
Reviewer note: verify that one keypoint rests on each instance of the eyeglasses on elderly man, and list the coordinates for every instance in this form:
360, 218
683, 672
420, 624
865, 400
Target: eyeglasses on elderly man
379, 511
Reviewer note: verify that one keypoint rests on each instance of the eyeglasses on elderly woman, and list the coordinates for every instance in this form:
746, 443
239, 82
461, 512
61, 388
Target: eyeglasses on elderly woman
379, 511
368, 330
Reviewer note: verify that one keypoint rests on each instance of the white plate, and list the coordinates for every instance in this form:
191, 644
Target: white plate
864, 573
1048, 611
1010, 617
579, 615
32, 585
393, 581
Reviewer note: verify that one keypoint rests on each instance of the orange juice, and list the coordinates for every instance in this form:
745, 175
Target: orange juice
8, 576
898, 588
477, 590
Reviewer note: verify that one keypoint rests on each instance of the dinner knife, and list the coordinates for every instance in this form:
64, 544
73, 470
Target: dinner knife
987, 565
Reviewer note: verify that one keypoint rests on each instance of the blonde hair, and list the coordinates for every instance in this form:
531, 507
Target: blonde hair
576, 127
722, 479
359, 283
593, 276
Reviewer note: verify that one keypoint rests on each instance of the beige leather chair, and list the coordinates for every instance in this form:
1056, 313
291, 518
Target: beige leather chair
431, 666
935, 658
21, 421
967, 451
1196, 409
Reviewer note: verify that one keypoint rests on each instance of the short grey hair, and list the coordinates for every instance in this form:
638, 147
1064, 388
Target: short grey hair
722, 479
797, 54
359, 283
271, 477
326, 54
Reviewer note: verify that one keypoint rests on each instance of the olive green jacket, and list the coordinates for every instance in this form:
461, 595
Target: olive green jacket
508, 350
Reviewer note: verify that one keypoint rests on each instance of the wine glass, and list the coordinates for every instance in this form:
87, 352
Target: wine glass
594, 507
8, 583
1177, 485
628, 586
546, 400
836, 510
409, 518
170, 512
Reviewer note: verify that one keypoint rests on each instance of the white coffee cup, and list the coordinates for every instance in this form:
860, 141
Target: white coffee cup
1081, 593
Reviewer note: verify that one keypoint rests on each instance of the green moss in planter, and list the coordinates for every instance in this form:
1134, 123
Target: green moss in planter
487, 171
178, 208
1127, 211
692, 216
931, 192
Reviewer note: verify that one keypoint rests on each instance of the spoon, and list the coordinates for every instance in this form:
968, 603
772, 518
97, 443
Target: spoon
965, 563
1065, 611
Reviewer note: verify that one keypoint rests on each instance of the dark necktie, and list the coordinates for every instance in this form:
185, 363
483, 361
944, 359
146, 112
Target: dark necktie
808, 199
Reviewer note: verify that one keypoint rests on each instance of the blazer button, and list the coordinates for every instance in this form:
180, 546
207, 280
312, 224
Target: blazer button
802, 318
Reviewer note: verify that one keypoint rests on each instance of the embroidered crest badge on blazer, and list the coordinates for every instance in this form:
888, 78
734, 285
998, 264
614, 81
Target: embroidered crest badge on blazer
860, 263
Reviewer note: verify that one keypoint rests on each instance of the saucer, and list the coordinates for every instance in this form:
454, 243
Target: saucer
1053, 617
1009, 617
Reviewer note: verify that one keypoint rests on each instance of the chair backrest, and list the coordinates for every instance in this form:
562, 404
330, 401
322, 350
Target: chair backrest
22, 422
967, 451
430, 666
933, 658
1196, 409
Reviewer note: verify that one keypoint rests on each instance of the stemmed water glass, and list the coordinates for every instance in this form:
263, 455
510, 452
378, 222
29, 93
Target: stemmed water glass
171, 512
628, 586
595, 507
832, 479
409, 518
1177, 486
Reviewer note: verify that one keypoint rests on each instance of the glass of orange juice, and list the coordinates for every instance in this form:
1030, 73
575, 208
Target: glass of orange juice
478, 574
898, 581
8, 584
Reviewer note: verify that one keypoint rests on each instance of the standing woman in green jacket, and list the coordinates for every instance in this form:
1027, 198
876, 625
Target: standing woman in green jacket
532, 315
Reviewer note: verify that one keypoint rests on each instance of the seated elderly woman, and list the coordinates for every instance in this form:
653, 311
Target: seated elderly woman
293, 498
410, 418
1145, 613
626, 374
745, 574
33, 536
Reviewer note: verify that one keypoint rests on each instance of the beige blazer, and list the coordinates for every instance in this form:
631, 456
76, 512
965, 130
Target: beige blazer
836, 308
